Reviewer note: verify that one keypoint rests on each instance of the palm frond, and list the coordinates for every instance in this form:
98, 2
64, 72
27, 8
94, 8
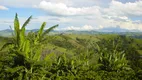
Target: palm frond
17, 28
6, 45
22, 34
26, 22
50, 29
41, 29
16, 24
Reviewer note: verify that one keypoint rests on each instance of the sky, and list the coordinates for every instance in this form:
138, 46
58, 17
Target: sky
105, 15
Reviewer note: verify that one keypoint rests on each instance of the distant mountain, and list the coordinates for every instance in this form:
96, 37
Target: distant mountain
112, 30
6, 32
78, 32
117, 30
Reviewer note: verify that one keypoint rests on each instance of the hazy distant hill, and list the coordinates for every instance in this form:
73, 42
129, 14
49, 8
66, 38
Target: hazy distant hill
8, 32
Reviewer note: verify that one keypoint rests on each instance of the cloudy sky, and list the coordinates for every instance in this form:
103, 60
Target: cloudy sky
109, 15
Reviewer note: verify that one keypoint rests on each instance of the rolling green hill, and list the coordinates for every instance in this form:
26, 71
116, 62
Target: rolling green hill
42, 55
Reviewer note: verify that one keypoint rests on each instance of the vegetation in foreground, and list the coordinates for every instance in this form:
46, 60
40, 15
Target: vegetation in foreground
39, 56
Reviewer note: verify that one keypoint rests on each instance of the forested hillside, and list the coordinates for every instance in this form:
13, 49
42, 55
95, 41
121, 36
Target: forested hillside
40, 56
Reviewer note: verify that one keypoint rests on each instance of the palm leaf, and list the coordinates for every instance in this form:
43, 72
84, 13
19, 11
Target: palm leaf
6, 45
22, 34
37, 55
26, 22
48, 30
16, 24
17, 27
41, 29
26, 48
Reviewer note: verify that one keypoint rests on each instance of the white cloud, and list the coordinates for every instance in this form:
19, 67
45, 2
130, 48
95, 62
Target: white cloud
19, 3
85, 27
119, 8
63, 9
52, 19
31, 3
3, 8
118, 14
130, 25
94, 23
117, 18
75, 13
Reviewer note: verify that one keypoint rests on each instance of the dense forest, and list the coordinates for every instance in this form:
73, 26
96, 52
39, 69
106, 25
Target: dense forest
40, 56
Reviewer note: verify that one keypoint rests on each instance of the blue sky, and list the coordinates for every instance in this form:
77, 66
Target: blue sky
74, 14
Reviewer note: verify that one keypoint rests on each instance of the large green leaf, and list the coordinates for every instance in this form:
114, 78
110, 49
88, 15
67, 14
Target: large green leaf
37, 54
6, 45
17, 27
26, 48
50, 29
22, 33
26, 22
16, 23
41, 29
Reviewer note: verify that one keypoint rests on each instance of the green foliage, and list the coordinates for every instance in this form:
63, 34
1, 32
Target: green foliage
24, 53
24, 56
